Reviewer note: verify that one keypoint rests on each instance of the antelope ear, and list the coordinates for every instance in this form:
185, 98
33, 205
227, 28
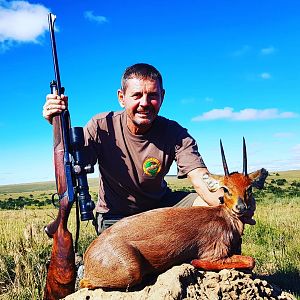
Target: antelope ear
258, 178
213, 182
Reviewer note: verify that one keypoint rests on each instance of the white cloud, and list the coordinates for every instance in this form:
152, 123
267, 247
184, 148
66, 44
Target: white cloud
21, 21
192, 100
186, 101
274, 165
265, 75
267, 51
224, 113
242, 51
247, 114
208, 99
296, 150
246, 49
92, 17
283, 134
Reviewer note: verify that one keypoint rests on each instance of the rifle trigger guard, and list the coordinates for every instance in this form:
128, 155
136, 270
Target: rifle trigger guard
53, 200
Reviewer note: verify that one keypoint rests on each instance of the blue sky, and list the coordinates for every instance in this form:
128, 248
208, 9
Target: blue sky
230, 69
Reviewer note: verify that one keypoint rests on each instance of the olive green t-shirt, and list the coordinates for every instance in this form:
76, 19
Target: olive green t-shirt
132, 167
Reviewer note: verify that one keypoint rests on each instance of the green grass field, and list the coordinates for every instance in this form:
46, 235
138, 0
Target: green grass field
26, 208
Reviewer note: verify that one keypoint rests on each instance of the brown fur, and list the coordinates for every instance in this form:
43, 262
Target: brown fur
153, 241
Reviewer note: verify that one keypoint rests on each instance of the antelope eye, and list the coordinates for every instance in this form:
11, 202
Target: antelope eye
226, 191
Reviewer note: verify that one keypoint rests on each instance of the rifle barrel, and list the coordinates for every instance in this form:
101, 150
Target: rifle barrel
51, 21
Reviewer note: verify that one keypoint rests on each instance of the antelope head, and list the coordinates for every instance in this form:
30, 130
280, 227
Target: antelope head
238, 186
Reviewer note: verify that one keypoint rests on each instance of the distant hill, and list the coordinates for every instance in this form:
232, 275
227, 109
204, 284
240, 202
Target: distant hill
93, 183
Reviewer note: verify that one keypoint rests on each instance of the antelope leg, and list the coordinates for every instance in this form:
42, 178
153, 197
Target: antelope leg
233, 262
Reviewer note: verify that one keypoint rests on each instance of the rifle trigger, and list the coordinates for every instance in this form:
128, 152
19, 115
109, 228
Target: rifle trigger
53, 200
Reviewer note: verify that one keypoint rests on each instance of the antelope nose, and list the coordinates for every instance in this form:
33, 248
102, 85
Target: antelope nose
241, 206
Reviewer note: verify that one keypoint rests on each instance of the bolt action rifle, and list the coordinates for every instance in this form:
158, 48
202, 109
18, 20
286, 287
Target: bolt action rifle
72, 186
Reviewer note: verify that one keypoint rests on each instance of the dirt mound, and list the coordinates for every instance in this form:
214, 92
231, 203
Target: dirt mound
186, 282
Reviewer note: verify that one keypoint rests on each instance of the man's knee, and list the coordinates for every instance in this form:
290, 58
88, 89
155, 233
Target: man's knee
104, 221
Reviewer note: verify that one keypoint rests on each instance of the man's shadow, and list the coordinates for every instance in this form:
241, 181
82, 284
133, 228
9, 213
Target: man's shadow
287, 281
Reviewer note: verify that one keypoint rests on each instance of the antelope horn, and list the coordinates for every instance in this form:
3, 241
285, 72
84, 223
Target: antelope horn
244, 158
224, 160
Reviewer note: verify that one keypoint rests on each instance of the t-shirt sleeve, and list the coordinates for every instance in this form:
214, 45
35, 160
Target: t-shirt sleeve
186, 155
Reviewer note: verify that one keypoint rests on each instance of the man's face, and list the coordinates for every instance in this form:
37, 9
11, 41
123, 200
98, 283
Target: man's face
142, 100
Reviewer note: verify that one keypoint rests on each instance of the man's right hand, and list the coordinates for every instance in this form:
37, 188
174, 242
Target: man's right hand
54, 104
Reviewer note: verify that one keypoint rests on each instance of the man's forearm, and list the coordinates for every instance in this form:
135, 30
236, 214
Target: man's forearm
212, 199
198, 178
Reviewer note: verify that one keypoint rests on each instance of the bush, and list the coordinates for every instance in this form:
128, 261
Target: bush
22, 202
295, 184
281, 181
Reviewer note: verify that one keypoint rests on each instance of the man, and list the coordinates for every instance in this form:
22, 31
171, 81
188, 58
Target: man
135, 149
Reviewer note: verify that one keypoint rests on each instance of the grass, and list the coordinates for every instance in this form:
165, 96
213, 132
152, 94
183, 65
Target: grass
24, 248
275, 243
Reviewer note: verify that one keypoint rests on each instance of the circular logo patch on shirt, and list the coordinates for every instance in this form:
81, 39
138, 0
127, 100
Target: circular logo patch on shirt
151, 166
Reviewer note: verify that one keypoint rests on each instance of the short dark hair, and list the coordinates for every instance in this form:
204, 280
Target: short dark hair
143, 71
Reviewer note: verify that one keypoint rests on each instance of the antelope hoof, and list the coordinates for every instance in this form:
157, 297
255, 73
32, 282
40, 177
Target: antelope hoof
85, 283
